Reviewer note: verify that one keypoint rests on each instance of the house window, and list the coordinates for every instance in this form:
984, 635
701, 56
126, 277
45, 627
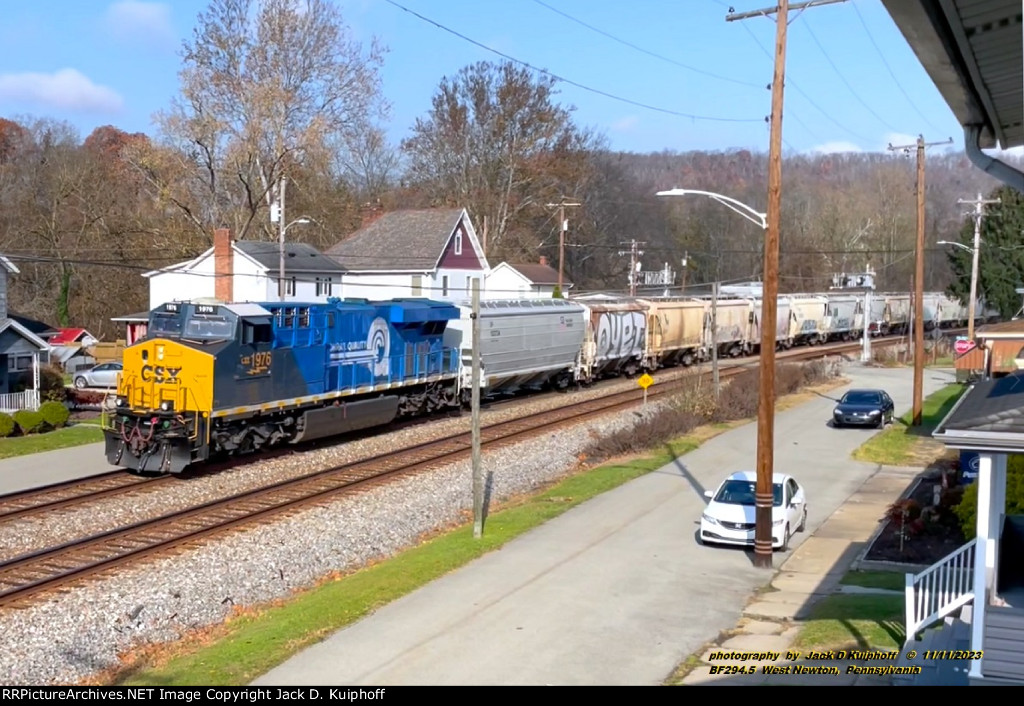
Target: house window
289, 287
21, 362
323, 287
417, 285
444, 286
458, 243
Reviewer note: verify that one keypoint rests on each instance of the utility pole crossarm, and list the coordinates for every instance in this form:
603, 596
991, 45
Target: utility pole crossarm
765, 12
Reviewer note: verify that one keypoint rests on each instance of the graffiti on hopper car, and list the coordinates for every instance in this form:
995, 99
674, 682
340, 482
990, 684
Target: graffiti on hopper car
620, 333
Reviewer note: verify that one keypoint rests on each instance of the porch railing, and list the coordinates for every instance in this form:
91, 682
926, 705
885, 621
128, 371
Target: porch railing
14, 401
940, 589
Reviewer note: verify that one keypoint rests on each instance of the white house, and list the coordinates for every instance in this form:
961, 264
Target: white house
247, 271
532, 281
432, 253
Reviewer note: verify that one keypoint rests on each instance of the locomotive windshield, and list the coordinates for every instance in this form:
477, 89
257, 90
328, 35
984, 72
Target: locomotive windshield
165, 325
209, 328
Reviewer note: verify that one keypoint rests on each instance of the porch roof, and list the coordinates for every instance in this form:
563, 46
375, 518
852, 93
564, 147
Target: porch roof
989, 417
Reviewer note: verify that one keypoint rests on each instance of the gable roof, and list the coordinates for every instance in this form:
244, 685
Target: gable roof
141, 317
33, 326
69, 335
298, 257
540, 274
24, 333
401, 241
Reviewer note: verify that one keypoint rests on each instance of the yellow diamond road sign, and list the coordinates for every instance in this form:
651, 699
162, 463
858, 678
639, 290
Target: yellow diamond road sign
645, 381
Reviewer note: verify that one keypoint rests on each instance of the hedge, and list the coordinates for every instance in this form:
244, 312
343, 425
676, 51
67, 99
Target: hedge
967, 510
55, 414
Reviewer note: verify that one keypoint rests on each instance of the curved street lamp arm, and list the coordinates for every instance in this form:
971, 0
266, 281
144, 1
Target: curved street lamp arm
739, 207
959, 245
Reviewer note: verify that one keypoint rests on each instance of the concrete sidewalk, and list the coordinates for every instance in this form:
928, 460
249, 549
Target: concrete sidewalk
773, 619
46, 467
618, 591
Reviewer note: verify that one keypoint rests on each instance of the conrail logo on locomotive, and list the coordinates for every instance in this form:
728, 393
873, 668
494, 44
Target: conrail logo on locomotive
160, 374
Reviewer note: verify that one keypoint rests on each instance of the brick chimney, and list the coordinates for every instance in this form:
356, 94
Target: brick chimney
543, 260
223, 267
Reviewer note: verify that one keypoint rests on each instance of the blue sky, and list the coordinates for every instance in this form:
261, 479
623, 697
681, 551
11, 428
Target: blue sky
690, 81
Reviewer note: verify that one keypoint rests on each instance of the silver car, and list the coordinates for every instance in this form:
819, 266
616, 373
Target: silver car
103, 375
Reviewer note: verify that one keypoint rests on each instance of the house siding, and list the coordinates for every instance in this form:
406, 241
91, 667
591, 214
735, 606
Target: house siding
384, 286
251, 284
1003, 643
467, 260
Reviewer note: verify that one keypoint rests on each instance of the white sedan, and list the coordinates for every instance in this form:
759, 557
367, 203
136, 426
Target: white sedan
730, 516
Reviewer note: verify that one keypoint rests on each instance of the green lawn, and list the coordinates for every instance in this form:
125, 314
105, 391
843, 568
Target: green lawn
253, 643
854, 621
903, 445
892, 580
76, 435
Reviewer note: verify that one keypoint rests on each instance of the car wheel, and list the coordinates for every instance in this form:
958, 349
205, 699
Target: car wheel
785, 539
80, 383
836, 425
803, 522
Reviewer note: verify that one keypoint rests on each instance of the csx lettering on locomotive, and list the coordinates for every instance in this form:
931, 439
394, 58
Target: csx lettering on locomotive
159, 374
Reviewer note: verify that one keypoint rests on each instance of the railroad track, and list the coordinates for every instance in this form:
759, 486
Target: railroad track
28, 576
68, 494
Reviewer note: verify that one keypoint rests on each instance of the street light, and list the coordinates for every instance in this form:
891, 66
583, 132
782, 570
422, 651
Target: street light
741, 208
974, 282
766, 393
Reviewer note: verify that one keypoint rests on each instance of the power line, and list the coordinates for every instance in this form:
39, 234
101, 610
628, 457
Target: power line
842, 78
895, 80
647, 51
792, 84
573, 83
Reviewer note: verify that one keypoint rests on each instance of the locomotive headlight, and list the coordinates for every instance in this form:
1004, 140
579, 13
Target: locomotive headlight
167, 406
121, 402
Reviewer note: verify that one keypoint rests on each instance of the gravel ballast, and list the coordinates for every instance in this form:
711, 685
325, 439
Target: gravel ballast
77, 634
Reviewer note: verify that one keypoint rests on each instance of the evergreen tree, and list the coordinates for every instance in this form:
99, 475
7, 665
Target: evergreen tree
1001, 258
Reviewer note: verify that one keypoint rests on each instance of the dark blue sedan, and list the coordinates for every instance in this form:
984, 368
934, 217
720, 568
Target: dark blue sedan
863, 408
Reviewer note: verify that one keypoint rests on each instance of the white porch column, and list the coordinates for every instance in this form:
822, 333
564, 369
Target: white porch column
35, 379
984, 555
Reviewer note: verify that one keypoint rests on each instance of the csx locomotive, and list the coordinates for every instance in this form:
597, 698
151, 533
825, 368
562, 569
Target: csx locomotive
232, 378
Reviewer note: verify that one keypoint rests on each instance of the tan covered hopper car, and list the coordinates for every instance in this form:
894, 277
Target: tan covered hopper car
675, 331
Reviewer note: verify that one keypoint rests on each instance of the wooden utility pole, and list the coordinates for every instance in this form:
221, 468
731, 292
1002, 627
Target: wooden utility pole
979, 213
281, 227
563, 226
478, 473
634, 252
770, 289
918, 311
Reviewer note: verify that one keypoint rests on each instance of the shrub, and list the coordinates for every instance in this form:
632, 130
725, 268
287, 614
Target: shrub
967, 510
904, 511
6, 424
51, 384
80, 398
54, 414
28, 421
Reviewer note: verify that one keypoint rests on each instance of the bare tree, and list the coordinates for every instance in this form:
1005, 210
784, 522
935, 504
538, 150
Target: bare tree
496, 142
265, 84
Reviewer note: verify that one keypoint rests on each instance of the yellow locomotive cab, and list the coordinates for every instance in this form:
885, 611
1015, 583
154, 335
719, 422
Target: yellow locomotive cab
162, 412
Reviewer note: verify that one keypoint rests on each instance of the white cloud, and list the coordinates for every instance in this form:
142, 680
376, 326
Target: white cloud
141, 22
626, 124
836, 147
898, 139
66, 89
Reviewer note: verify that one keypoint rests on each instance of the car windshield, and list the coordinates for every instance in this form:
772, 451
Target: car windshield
743, 492
861, 398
